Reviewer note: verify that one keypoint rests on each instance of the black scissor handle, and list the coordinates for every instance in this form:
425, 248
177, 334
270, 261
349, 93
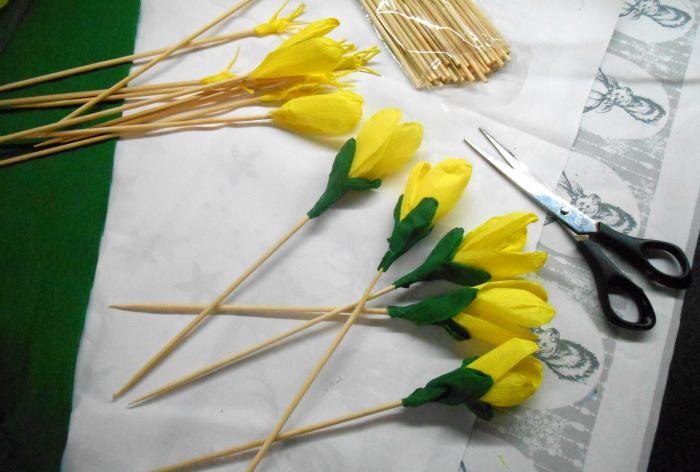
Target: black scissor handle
637, 251
609, 280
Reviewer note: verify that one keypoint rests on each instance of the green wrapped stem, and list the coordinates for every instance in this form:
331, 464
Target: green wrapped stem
460, 386
438, 311
339, 182
439, 265
416, 225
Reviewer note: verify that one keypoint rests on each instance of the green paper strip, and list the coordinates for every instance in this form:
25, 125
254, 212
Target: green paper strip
52, 214
339, 182
416, 225
460, 386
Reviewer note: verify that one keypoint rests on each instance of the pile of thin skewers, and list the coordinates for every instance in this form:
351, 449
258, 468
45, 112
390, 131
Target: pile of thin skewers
439, 42
301, 79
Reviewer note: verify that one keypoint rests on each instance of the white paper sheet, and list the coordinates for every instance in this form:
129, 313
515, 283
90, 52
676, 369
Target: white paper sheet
188, 211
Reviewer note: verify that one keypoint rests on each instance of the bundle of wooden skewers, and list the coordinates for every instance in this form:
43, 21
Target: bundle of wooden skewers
307, 65
439, 42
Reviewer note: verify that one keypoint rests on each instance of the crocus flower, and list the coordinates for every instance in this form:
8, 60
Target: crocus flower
492, 251
493, 312
497, 245
382, 146
431, 191
328, 114
505, 376
443, 182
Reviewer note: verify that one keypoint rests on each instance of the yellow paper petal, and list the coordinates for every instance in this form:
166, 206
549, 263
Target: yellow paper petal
277, 25
359, 60
490, 332
372, 138
522, 284
444, 182
314, 56
402, 145
517, 385
512, 305
502, 264
313, 30
503, 358
504, 233
328, 114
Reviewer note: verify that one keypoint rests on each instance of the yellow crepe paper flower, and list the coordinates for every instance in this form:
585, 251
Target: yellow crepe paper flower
313, 56
328, 114
277, 25
515, 373
359, 60
496, 247
384, 145
313, 30
444, 182
511, 303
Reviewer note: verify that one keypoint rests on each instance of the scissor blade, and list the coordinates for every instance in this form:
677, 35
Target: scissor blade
504, 152
570, 216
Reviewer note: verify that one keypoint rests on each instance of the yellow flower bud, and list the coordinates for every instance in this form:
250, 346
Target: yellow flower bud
515, 304
496, 247
444, 182
515, 373
313, 56
328, 114
314, 30
384, 145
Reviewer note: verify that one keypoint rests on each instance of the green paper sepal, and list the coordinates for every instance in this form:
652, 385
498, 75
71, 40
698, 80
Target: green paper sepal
339, 182
416, 225
460, 386
439, 265
438, 311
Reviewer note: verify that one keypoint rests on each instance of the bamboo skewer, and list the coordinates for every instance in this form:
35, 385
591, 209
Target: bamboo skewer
439, 42
141, 70
227, 309
232, 359
170, 345
116, 110
194, 45
119, 130
213, 456
312, 376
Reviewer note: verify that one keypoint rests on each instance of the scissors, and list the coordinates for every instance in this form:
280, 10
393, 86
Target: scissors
589, 235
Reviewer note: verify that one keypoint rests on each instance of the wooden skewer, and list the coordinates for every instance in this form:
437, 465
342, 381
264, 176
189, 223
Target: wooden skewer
156, 60
312, 376
238, 309
143, 91
232, 359
158, 125
194, 45
406, 62
213, 456
113, 111
170, 345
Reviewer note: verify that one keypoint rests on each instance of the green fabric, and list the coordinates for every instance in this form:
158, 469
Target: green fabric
460, 386
339, 182
52, 214
438, 310
416, 225
439, 265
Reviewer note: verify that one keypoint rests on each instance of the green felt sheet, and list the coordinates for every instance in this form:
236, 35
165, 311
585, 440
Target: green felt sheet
52, 214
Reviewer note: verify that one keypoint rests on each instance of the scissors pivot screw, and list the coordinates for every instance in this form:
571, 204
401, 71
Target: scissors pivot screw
564, 210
